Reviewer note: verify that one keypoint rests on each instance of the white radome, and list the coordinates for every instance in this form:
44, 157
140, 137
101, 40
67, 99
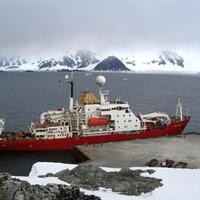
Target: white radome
67, 77
100, 80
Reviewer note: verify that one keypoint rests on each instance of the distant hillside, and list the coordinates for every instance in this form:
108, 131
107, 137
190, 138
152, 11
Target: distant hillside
85, 60
111, 63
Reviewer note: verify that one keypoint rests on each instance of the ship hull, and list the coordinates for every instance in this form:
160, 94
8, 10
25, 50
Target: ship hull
175, 128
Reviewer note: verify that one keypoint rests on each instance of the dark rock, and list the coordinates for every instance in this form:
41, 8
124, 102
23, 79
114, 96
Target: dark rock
173, 58
111, 63
67, 61
84, 58
152, 163
126, 181
161, 61
14, 189
180, 165
168, 163
150, 171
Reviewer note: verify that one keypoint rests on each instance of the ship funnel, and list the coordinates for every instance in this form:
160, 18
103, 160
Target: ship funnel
69, 79
179, 109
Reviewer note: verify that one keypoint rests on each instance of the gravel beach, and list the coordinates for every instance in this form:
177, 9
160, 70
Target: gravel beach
138, 152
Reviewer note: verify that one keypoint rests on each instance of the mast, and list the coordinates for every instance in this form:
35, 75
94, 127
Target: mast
179, 109
69, 79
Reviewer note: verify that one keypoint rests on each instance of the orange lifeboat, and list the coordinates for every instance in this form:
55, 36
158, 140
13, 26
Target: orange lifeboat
98, 121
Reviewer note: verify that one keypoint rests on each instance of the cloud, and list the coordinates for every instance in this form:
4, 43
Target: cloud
50, 26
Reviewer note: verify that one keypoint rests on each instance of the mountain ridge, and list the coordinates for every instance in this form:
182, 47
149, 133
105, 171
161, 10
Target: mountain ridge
85, 60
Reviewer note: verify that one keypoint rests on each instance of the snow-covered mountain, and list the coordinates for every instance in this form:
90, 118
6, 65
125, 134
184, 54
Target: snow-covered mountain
137, 61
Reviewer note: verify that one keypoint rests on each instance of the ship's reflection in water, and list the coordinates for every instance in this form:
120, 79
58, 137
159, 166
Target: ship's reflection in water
20, 163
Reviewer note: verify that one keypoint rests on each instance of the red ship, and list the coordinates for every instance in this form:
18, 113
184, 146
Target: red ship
92, 121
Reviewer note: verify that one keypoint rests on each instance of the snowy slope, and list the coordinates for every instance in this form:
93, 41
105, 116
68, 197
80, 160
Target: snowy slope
178, 184
164, 61
136, 61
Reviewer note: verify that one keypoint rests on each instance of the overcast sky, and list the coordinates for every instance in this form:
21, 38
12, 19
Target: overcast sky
49, 26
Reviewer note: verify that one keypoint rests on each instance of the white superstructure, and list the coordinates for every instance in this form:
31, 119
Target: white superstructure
93, 117
2, 123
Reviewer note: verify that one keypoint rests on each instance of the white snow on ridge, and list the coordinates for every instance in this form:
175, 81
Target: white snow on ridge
137, 61
178, 184
143, 62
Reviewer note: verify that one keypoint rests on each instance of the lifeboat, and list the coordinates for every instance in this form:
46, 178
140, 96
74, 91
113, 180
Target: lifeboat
98, 121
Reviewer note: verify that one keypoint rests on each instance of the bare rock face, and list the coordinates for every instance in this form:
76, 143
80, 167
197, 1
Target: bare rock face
14, 189
126, 181
111, 63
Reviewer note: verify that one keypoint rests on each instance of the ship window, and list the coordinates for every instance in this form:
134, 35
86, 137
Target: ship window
53, 129
124, 120
117, 115
129, 120
66, 123
123, 115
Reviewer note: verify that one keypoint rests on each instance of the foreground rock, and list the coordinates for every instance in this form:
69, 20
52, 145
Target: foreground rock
14, 189
126, 181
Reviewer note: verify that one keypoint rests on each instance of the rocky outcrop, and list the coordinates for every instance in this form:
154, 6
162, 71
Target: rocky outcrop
169, 57
111, 63
14, 189
126, 181
84, 58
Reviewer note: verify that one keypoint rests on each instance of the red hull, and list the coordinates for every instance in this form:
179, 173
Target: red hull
174, 128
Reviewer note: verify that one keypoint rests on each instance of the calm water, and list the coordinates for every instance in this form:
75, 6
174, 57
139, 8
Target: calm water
20, 163
23, 96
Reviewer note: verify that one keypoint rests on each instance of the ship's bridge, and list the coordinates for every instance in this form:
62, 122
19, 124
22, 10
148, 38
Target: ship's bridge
120, 116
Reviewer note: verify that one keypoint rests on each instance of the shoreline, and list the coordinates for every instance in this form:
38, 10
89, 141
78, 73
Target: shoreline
136, 153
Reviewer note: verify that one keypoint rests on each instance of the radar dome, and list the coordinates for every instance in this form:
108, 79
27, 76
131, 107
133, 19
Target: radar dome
66, 77
100, 80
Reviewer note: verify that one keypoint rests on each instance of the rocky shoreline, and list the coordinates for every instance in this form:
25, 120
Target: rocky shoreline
15, 189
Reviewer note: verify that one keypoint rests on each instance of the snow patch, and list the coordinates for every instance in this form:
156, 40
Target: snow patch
178, 184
